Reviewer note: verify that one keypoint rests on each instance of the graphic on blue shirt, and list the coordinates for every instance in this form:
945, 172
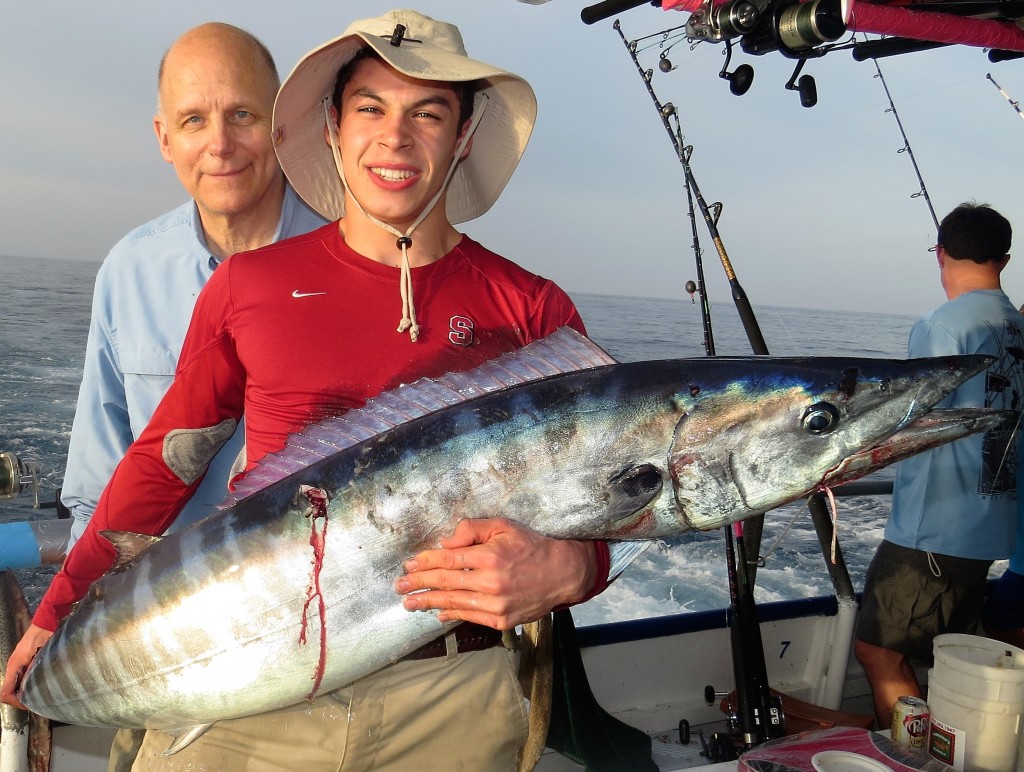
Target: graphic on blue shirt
1003, 390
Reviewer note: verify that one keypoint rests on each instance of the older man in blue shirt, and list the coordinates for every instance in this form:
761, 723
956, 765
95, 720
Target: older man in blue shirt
217, 85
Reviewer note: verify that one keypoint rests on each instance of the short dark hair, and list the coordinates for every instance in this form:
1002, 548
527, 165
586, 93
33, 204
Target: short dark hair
464, 90
975, 232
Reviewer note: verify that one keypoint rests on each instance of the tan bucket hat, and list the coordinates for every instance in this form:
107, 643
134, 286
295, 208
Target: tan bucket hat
426, 50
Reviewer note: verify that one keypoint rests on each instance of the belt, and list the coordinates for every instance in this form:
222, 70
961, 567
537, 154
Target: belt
468, 637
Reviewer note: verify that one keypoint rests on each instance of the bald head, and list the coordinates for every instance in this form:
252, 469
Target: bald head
234, 48
217, 88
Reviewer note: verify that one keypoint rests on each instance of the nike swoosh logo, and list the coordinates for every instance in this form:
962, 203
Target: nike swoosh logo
297, 294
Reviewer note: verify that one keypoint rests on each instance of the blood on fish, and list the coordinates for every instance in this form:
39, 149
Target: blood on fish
317, 538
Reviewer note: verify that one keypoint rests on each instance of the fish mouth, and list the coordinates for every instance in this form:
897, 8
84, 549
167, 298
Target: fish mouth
934, 428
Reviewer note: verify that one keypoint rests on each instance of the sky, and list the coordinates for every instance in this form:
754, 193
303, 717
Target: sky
817, 206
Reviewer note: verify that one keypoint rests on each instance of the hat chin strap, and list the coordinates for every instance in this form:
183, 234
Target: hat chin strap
405, 239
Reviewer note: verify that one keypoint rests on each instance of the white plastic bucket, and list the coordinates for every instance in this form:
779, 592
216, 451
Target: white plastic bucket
976, 700
980, 667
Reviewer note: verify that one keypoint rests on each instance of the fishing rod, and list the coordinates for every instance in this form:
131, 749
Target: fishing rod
758, 716
667, 112
698, 253
923, 192
1013, 104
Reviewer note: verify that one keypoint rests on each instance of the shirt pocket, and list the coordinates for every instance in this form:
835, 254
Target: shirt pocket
147, 377
149, 362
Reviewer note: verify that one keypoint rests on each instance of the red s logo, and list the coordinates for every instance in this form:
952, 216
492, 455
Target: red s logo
460, 330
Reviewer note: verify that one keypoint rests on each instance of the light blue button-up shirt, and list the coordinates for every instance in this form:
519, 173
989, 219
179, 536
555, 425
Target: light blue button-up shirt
142, 304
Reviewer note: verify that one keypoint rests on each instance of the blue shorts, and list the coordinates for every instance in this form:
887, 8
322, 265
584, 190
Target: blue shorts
1004, 610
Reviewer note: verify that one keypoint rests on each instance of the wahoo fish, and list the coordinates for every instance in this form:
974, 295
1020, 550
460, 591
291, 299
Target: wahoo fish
287, 592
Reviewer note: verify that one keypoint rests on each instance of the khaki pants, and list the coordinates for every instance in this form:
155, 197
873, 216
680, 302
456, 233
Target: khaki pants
467, 713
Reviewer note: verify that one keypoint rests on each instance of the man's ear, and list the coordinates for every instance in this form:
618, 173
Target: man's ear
469, 145
332, 116
161, 138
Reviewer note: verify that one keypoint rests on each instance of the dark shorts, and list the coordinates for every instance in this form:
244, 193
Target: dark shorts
905, 605
1004, 609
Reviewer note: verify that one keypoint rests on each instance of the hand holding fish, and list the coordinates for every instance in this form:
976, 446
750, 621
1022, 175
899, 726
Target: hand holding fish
497, 573
20, 658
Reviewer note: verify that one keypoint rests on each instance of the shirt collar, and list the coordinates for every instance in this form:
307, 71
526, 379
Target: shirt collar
288, 205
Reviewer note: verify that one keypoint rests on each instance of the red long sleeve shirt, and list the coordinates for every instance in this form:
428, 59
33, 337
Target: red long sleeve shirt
298, 331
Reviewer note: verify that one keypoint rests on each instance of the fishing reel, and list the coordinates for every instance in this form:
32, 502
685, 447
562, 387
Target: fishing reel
795, 29
15, 475
728, 745
731, 19
798, 30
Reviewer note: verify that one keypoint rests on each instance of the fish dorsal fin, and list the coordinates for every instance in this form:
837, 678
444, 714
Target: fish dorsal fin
128, 546
565, 350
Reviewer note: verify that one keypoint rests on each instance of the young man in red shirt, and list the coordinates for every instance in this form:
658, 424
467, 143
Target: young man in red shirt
396, 135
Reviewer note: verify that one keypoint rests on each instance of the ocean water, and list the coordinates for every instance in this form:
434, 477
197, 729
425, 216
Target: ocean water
44, 314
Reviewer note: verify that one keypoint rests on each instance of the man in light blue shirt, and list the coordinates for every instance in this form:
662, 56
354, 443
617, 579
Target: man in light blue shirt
1003, 615
954, 508
217, 86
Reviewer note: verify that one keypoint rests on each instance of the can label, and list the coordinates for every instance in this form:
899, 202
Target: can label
910, 720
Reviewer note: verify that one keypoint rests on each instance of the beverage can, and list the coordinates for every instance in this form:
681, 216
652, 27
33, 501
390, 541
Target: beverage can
910, 722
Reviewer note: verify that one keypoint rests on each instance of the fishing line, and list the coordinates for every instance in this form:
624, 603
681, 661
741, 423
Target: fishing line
1014, 437
664, 38
785, 328
659, 38
763, 560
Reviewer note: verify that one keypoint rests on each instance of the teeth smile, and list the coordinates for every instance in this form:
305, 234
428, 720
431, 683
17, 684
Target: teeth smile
391, 175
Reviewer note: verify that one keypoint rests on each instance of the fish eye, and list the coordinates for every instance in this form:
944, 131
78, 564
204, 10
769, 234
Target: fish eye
820, 418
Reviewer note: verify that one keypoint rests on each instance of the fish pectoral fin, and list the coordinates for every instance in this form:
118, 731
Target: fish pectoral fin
127, 546
631, 489
184, 737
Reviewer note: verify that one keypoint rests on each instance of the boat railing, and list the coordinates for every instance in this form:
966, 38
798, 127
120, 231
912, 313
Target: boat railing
842, 586
691, 621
